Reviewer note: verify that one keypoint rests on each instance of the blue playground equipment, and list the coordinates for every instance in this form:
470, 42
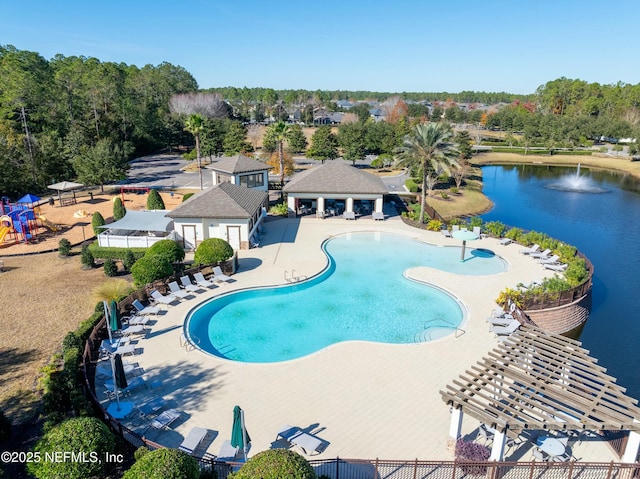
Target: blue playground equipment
19, 218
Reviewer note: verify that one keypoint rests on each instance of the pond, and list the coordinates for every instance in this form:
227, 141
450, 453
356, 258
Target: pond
605, 227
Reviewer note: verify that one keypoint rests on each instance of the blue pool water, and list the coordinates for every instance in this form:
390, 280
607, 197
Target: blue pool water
361, 296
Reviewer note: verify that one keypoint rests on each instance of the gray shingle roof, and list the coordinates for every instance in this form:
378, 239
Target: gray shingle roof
225, 200
335, 177
237, 164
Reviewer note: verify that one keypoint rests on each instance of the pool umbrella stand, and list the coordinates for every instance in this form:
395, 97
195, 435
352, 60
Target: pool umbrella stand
239, 435
464, 235
119, 409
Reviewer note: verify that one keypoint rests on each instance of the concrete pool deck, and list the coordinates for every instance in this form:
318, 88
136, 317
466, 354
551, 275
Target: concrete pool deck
364, 400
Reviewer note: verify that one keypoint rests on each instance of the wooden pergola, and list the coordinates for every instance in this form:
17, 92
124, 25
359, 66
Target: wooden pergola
540, 380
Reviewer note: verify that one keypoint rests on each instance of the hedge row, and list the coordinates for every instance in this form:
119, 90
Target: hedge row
522, 151
111, 252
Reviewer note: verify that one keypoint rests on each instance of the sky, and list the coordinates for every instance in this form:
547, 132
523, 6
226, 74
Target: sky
386, 46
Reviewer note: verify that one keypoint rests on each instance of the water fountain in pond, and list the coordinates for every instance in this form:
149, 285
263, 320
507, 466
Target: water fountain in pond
576, 183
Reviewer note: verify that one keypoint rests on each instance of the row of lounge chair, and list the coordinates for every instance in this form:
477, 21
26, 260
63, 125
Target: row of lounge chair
546, 258
186, 286
502, 323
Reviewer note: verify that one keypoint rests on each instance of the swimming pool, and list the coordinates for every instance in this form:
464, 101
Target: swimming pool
362, 295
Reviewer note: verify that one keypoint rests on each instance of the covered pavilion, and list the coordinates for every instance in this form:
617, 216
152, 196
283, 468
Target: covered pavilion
536, 380
65, 186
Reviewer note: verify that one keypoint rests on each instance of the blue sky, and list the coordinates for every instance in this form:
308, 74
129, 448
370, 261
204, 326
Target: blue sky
394, 46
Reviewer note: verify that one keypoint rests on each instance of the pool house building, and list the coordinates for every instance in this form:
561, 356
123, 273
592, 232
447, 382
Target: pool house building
334, 188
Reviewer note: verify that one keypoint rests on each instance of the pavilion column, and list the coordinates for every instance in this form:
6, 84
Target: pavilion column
378, 206
349, 204
320, 206
455, 428
499, 442
633, 445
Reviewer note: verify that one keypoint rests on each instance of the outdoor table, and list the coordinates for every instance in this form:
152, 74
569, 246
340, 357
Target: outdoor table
551, 446
464, 235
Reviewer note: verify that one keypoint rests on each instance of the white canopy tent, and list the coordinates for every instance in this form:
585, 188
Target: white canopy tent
137, 229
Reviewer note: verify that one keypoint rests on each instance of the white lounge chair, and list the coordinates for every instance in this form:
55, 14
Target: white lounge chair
505, 330
175, 289
138, 320
201, 281
541, 254
309, 444
560, 267
550, 260
378, 215
349, 215
162, 299
193, 439
219, 276
188, 285
455, 227
501, 320
505, 241
446, 233
476, 230
142, 309
152, 408
531, 249
227, 452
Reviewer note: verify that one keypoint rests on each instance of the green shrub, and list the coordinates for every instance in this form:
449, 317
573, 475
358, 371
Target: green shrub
212, 250
64, 247
281, 209
576, 271
110, 267
150, 268
434, 225
444, 195
411, 185
104, 252
513, 234
119, 211
86, 435
495, 228
170, 250
128, 260
97, 220
454, 190
87, 258
617, 148
275, 464
186, 196
154, 201
164, 464
475, 221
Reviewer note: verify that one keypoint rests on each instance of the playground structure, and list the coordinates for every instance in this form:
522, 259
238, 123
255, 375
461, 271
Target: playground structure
19, 221
133, 189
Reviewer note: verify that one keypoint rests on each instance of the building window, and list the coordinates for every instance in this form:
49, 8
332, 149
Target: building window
252, 181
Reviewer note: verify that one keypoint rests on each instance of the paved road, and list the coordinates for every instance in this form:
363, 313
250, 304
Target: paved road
164, 171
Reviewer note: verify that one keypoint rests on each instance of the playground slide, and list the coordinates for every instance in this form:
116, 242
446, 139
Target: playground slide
3, 232
48, 224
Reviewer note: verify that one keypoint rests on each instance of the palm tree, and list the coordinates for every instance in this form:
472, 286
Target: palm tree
281, 133
194, 124
430, 147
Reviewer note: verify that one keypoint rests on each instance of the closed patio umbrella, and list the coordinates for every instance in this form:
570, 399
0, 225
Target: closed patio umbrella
118, 372
115, 323
239, 435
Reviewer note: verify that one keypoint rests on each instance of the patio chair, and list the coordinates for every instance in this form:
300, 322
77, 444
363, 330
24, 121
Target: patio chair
539, 455
219, 276
455, 227
349, 215
560, 267
541, 254
142, 309
446, 233
310, 445
165, 419
505, 241
175, 289
531, 249
188, 285
162, 299
505, 320
193, 439
505, 330
485, 434
550, 260
227, 452
476, 230
378, 215
200, 281
138, 320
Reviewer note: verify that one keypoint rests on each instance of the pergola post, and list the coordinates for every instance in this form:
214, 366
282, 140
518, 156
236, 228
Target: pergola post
455, 428
320, 206
497, 450
379, 205
632, 447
